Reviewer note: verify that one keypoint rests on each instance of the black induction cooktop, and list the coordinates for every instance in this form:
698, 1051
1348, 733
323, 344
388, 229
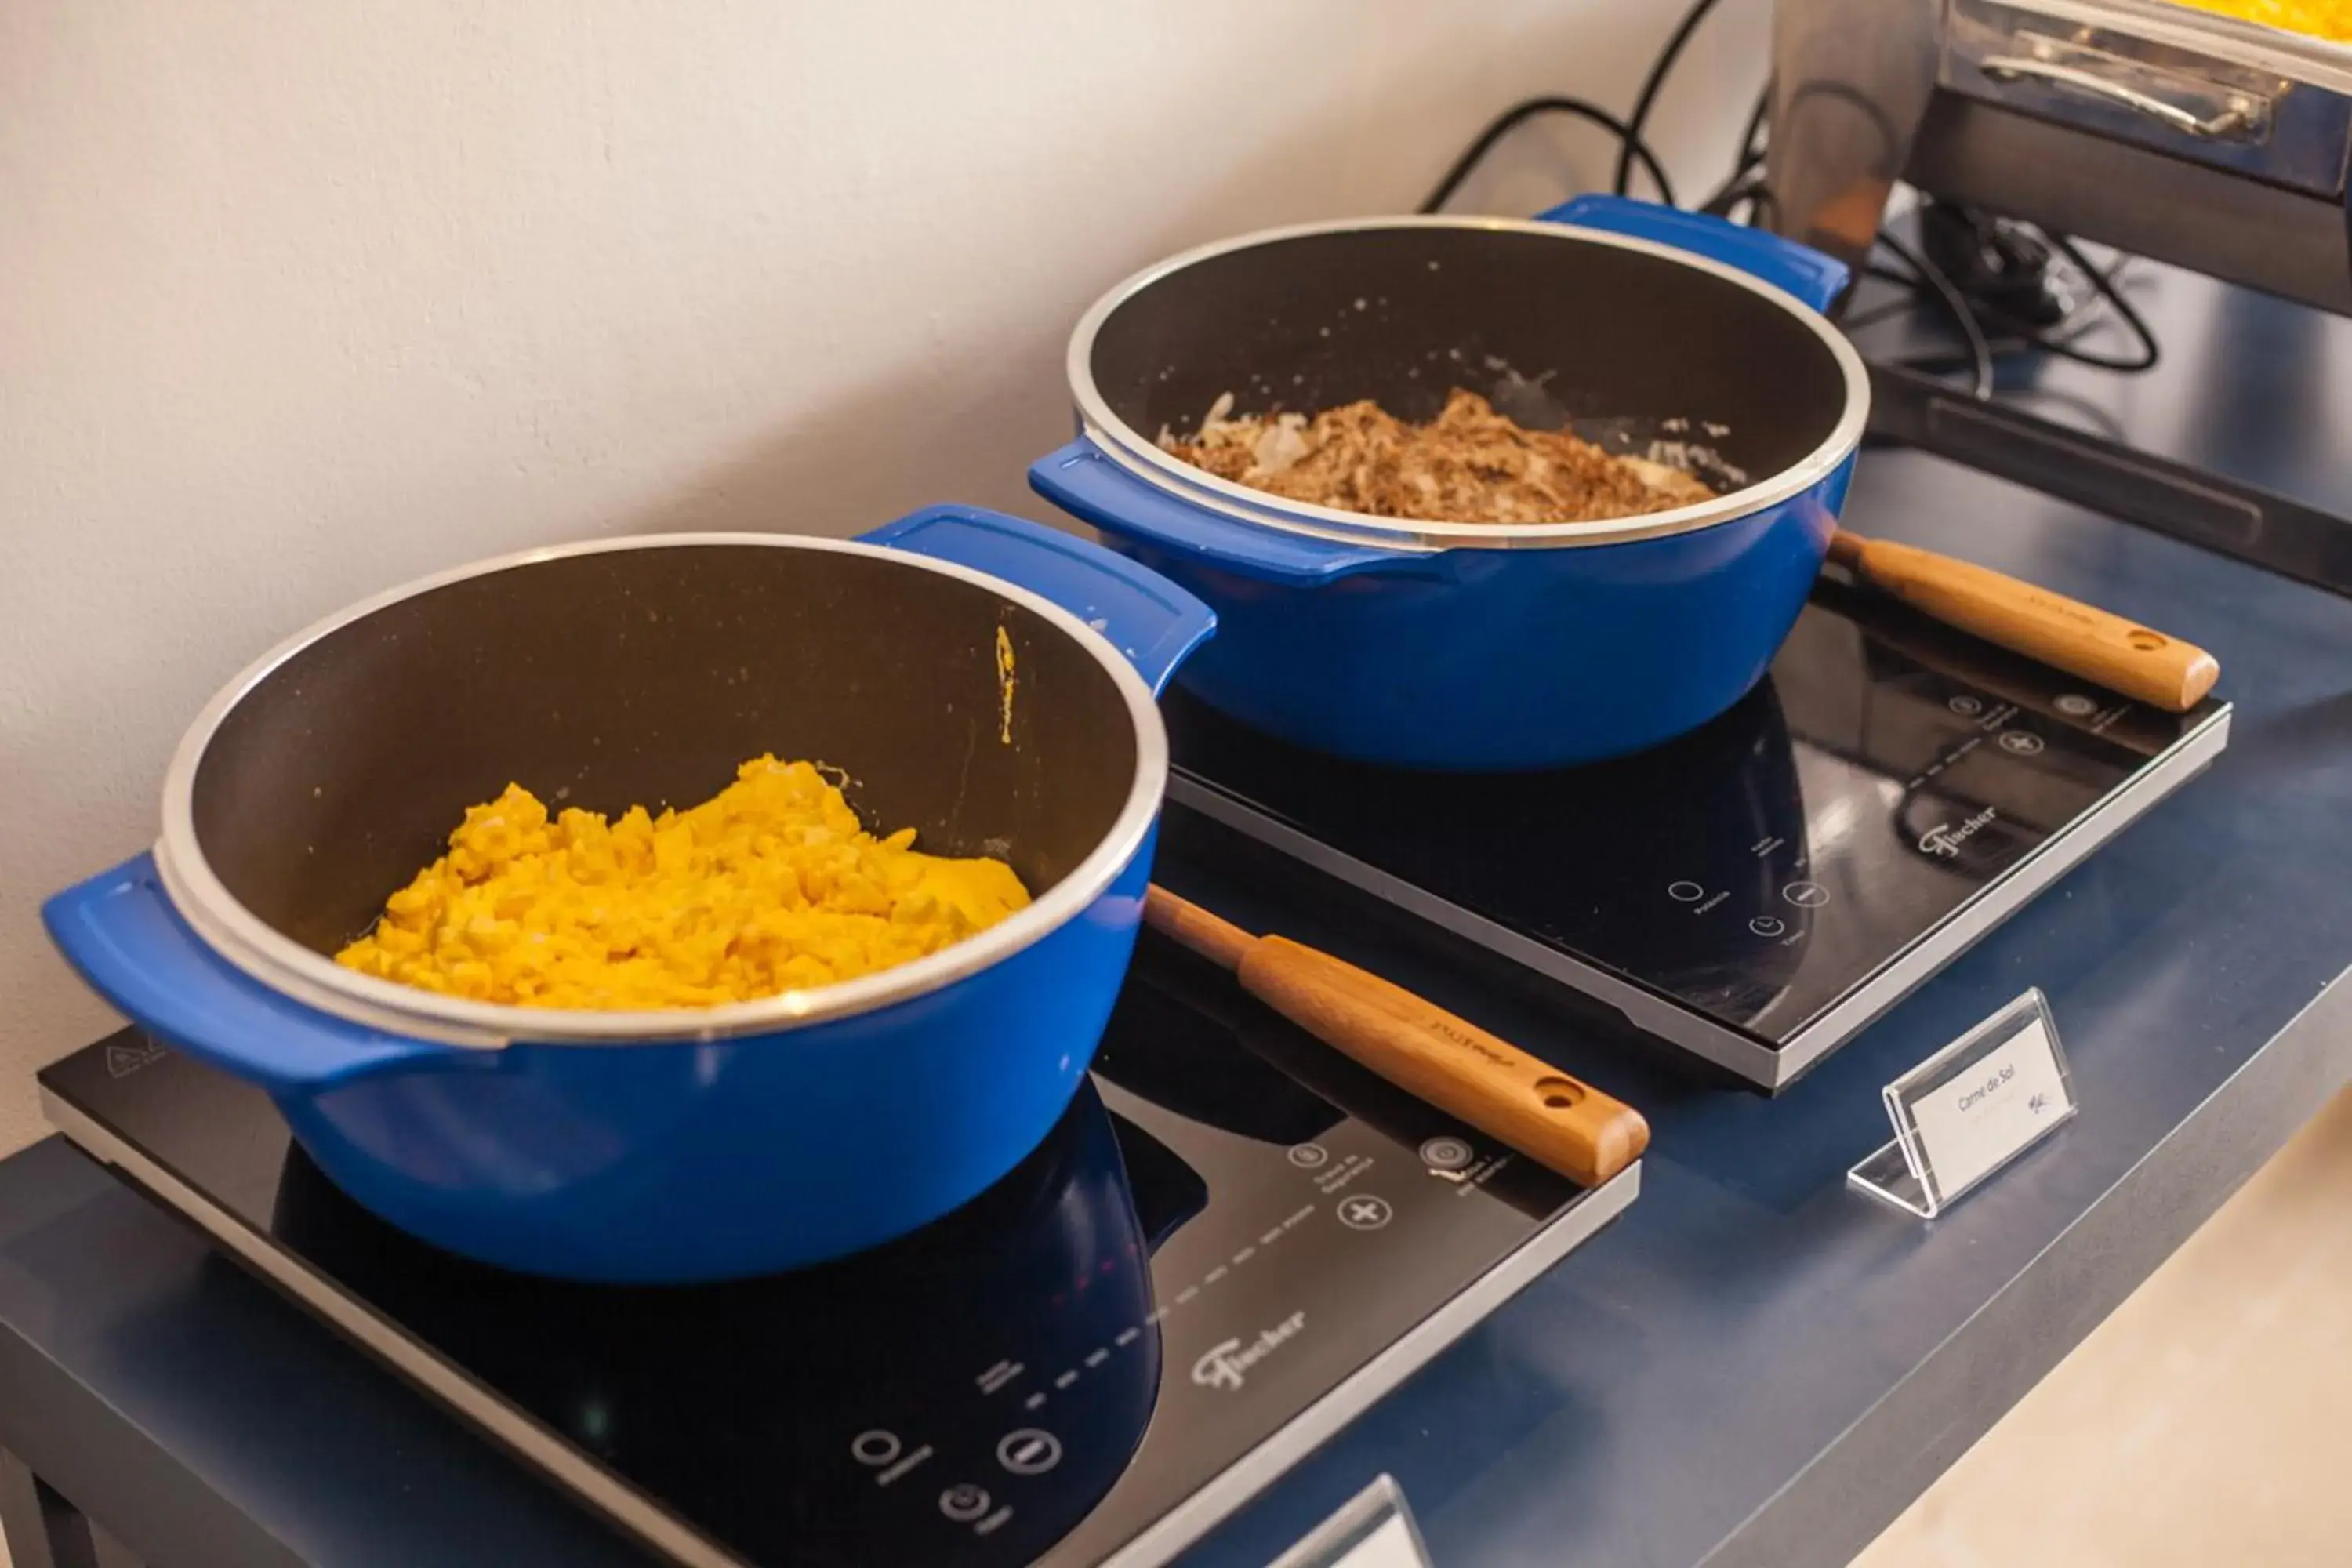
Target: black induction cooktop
1234, 1240
1756, 892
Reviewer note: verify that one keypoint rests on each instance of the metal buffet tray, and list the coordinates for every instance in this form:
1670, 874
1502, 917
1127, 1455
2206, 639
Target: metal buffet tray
2291, 56
2175, 134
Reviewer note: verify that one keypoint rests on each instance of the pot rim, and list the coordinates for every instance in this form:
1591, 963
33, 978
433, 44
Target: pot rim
261, 951
1144, 457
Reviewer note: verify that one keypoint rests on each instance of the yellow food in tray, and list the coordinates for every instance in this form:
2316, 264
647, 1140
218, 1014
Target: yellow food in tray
2329, 19
772, 885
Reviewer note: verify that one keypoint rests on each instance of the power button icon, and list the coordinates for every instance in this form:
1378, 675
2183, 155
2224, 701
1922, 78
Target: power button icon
963, 1503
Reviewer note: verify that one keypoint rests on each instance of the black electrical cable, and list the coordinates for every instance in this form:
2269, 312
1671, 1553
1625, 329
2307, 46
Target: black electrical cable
2106, 287
1755, 192
1746, 185
2060, 340
1720, 204
1511, 119
1980, 350
1749, 152
1645, 101
1740, 186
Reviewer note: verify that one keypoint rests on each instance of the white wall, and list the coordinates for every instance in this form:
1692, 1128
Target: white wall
301, 299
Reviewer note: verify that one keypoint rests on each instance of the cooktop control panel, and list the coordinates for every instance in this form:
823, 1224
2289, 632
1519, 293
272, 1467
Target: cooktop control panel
1176, 1296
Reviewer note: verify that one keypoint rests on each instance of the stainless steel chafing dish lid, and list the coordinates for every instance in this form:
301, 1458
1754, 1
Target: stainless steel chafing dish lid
2202, 140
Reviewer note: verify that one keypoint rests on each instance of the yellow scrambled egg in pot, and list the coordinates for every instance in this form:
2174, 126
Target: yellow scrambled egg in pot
2329, 19
772, 885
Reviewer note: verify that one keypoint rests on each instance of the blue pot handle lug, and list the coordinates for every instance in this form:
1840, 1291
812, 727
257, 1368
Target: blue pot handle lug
121, 935
1799, 270
1085, 481
1151, 620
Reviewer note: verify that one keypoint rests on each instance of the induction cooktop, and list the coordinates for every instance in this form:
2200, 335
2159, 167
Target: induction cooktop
1234, 1241
1758, 891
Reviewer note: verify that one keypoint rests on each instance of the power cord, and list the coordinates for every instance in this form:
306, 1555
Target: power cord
2105, 285
1652, 85
2011, 249
1926, 272
2003, 266
2061, 339
1518, 114
1744, 183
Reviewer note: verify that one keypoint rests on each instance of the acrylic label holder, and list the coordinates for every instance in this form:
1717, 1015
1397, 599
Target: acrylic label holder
1970, 1110
1373, 1530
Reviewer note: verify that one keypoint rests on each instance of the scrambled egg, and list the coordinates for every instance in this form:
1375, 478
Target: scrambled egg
772, 885
2329, 19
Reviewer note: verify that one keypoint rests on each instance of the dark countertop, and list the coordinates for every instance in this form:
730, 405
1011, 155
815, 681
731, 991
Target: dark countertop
2246, 387
1754, 1366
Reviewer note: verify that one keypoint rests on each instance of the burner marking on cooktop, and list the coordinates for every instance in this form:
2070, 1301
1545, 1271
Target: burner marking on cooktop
1214, 1275
992, 1522
1095, 1358
1298, 1219
903, 1466
997, 1376
1067, 1378
1126, 1337
1156, 1313
1034, 1400
1244, 1254
1187, 1293
1270, 1237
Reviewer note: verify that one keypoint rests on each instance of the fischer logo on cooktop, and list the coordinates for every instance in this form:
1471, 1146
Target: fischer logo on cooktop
1944, 840
1225, 1365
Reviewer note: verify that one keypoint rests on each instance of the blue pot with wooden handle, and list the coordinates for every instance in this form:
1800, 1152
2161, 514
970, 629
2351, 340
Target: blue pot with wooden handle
1467, 647
680, 1144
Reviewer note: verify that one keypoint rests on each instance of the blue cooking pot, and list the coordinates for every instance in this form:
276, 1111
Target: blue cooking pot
686, 1145
1467, 647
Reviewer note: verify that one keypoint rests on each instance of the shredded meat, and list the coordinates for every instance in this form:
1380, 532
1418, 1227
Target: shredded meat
1468, 465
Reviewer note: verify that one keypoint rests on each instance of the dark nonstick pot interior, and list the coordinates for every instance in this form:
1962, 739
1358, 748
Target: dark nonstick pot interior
1554, 328
646, 674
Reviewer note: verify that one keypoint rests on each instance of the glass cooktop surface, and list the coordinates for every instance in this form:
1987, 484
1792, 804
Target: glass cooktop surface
1234, 1240
1757, 890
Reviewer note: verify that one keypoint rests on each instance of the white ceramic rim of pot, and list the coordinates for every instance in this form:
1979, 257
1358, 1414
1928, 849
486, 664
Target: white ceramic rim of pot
277, 961
1143, 457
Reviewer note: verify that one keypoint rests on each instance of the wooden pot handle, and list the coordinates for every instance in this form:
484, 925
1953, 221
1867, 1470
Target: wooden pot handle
2081, 640
1559, 1122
